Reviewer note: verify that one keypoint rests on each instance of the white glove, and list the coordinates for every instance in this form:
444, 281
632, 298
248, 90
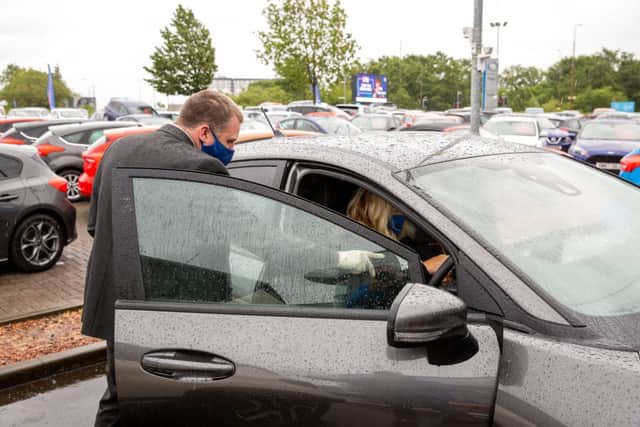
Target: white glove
358, 261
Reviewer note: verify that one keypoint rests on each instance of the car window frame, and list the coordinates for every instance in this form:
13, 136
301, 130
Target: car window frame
129, 280
280, 166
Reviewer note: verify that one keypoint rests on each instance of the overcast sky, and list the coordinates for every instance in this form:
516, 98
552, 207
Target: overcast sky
101, 46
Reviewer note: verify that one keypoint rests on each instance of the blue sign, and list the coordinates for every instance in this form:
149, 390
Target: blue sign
624, 107
370, 88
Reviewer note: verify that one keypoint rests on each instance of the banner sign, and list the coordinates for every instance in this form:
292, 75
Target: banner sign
370, 88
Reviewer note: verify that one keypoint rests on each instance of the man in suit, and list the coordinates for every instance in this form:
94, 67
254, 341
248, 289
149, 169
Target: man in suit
202, 139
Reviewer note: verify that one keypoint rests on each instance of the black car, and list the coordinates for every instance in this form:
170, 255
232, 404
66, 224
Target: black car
537, 325
29, 132
62, 146
121, 107
36, 219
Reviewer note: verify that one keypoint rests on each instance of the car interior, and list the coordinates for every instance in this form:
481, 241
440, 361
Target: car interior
335, 194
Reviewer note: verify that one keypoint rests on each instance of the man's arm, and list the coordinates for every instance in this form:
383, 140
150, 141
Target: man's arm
93, 206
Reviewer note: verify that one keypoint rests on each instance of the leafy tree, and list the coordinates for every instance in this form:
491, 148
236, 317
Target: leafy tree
264, 91
521, 85
307, 42
185, 63
589, 99
28, 87
437, 77
629, 78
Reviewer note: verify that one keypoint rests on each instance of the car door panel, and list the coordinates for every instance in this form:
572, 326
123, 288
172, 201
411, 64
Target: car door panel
299, 371
305, 358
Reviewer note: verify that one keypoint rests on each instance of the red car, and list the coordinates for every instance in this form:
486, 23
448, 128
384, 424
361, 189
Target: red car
92, 156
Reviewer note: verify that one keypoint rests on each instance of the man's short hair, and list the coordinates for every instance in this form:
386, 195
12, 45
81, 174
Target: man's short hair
212, 108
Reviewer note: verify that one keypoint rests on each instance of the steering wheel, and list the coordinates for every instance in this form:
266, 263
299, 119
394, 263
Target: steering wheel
441, 273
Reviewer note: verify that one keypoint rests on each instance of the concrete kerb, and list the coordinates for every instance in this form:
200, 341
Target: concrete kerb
41, 313
51, 364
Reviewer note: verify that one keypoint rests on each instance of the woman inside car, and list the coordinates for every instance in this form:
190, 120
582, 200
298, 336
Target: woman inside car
372, 211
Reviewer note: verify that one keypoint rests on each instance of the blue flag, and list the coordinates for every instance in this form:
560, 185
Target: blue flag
51, 95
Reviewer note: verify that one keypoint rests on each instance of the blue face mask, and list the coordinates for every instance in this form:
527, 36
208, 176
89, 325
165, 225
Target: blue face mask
217, 150
396, 222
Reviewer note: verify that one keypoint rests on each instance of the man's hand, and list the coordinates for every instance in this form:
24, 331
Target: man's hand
358, 261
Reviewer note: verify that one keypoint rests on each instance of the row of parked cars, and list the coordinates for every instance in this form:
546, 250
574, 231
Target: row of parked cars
607, 139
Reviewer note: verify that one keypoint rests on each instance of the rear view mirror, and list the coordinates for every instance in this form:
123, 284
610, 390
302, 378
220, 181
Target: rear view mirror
422, 314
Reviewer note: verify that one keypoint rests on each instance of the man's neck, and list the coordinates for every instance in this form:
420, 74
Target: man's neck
186, 133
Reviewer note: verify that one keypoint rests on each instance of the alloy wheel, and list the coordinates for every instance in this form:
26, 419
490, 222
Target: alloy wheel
40, 242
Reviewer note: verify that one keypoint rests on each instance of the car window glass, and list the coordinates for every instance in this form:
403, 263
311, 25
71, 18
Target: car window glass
287, 124
10, 167
74, 138
305, 126
264, 175
208, 243
94, 136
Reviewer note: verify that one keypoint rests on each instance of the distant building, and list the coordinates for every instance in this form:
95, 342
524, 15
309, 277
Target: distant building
231, 86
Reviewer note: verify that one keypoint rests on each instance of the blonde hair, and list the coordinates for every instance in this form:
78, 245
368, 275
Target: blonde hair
370, 210
212, 108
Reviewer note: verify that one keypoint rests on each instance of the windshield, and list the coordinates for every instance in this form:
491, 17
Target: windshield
504, 127
336, 126
371, 122
545, 123
571, 229
619, 131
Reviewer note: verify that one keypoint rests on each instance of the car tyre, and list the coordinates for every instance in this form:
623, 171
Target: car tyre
72, 176
37, 243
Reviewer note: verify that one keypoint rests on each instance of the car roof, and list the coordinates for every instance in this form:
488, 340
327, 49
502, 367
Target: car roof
21, 151
392, 150
79, 127
33, 124
512, 118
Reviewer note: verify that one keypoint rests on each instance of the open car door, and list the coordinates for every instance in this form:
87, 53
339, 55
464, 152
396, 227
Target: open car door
235, 310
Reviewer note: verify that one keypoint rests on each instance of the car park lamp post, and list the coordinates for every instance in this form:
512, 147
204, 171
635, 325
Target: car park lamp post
498, 25
573, 60
476, 66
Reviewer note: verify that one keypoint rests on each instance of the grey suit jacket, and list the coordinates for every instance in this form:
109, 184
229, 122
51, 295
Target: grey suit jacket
169, 148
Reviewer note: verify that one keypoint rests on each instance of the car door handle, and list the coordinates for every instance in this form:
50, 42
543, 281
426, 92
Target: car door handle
8, 197
187, 365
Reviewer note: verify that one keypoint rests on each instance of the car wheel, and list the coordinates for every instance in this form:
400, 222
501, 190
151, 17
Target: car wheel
37, 243
72, 176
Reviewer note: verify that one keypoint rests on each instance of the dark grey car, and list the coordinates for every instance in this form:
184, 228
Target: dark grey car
62, 146
551, 336
36, 219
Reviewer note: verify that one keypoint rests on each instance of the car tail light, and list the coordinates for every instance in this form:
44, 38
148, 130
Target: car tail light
46, 149
59, 183
12, 141
89, 163
628, 164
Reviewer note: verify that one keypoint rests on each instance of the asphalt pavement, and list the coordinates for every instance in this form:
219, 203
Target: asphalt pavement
61, 287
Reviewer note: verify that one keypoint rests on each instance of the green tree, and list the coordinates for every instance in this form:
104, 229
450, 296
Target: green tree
28, 87
521, 85
437, 77
629, 78
185, 63
589, 99
264, 91
307, 42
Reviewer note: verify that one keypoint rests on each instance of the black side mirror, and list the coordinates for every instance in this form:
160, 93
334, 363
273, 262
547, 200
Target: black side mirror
423, 314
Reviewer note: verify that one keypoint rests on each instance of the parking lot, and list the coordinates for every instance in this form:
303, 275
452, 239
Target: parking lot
22, 295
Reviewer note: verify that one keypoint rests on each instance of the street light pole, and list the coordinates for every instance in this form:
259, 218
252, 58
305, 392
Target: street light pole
573, 62
476, 72
498, 25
